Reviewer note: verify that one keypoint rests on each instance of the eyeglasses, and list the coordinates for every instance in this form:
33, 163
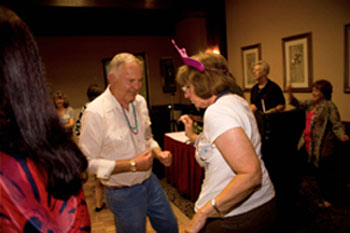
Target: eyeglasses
184, 88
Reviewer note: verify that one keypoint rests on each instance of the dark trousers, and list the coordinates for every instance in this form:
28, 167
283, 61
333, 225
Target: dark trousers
258, 220
327, 174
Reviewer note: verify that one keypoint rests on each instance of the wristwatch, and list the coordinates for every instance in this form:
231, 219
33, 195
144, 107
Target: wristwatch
132, 166
213, 204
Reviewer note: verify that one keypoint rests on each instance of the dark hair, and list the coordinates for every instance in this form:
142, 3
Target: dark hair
325, 87
213, 80
30, 125
93, 91
60, 95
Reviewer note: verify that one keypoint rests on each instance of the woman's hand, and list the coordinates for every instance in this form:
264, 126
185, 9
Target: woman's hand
197, 223
344, 138
188, 122
289, 92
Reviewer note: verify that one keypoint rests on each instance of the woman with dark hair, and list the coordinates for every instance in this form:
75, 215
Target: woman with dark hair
322, 127
41, 168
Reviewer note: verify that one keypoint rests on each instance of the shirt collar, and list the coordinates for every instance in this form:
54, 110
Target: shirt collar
111, 101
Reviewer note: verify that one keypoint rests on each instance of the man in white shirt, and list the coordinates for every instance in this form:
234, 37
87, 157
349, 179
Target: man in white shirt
116, 138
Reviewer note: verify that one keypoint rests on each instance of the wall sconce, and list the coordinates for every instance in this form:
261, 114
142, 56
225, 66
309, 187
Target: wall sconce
213, 49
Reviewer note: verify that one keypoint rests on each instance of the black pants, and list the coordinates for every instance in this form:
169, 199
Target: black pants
327, 174
259, 220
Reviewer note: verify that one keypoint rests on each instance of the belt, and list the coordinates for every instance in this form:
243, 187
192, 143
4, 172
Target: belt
112, 187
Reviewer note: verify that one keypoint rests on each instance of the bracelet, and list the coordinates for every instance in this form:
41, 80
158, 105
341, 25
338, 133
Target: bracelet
213, 204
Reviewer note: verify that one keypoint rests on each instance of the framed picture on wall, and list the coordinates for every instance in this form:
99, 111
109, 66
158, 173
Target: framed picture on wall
297, 62
144, 89
167, 72
250, 55
347, 59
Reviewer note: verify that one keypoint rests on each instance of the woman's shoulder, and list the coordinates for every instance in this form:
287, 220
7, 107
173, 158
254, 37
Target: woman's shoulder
329, 104
227, 105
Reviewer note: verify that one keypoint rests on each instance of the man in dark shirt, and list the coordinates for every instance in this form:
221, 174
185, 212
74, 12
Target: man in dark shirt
266, 95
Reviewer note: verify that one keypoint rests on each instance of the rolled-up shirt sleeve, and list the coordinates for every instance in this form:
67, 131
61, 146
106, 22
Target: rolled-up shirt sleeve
90, 142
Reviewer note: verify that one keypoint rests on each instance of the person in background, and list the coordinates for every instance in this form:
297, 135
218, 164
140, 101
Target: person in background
322, 127
266, 96
41, 169
92, 92
237, 194
117, 139
65, 112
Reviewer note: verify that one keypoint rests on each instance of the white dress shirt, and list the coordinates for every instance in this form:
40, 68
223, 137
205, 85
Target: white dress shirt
106, 136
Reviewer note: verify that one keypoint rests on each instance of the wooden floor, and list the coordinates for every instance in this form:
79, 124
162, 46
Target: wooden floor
102, 222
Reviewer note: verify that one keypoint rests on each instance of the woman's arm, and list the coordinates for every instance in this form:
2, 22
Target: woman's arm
337, 125
70, 124
239, 153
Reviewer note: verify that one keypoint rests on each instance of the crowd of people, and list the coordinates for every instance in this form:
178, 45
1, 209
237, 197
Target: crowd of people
43, 167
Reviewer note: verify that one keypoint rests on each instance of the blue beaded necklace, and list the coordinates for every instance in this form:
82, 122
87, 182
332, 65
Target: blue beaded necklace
134, 129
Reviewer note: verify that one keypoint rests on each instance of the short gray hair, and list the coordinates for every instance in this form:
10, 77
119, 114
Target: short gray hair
264, 65
122, 58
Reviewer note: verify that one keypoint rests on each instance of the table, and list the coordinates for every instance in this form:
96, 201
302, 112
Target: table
184, 173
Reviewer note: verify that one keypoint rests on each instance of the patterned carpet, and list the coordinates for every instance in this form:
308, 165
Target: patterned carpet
308, 217
183, 203
313, 219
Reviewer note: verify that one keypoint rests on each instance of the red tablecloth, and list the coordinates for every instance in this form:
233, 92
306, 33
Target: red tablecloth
184, 173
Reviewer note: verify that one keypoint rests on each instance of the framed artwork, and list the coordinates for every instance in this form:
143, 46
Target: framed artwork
167, 71
347, 59
250, 55
297, 62
144, 89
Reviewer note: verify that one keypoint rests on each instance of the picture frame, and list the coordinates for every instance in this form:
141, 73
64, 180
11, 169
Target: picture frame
167, 72
144, 89
347, 60
297, 62
250, 55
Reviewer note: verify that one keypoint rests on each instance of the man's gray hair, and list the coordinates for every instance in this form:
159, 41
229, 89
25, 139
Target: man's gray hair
264, 65
122, 58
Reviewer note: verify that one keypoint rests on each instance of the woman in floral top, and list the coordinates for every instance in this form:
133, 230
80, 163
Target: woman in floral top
323, 125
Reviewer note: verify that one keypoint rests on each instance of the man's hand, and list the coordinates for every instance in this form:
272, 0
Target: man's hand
144, 161
165, 157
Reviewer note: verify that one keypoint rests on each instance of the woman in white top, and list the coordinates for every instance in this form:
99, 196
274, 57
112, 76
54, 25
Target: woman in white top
237, 194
